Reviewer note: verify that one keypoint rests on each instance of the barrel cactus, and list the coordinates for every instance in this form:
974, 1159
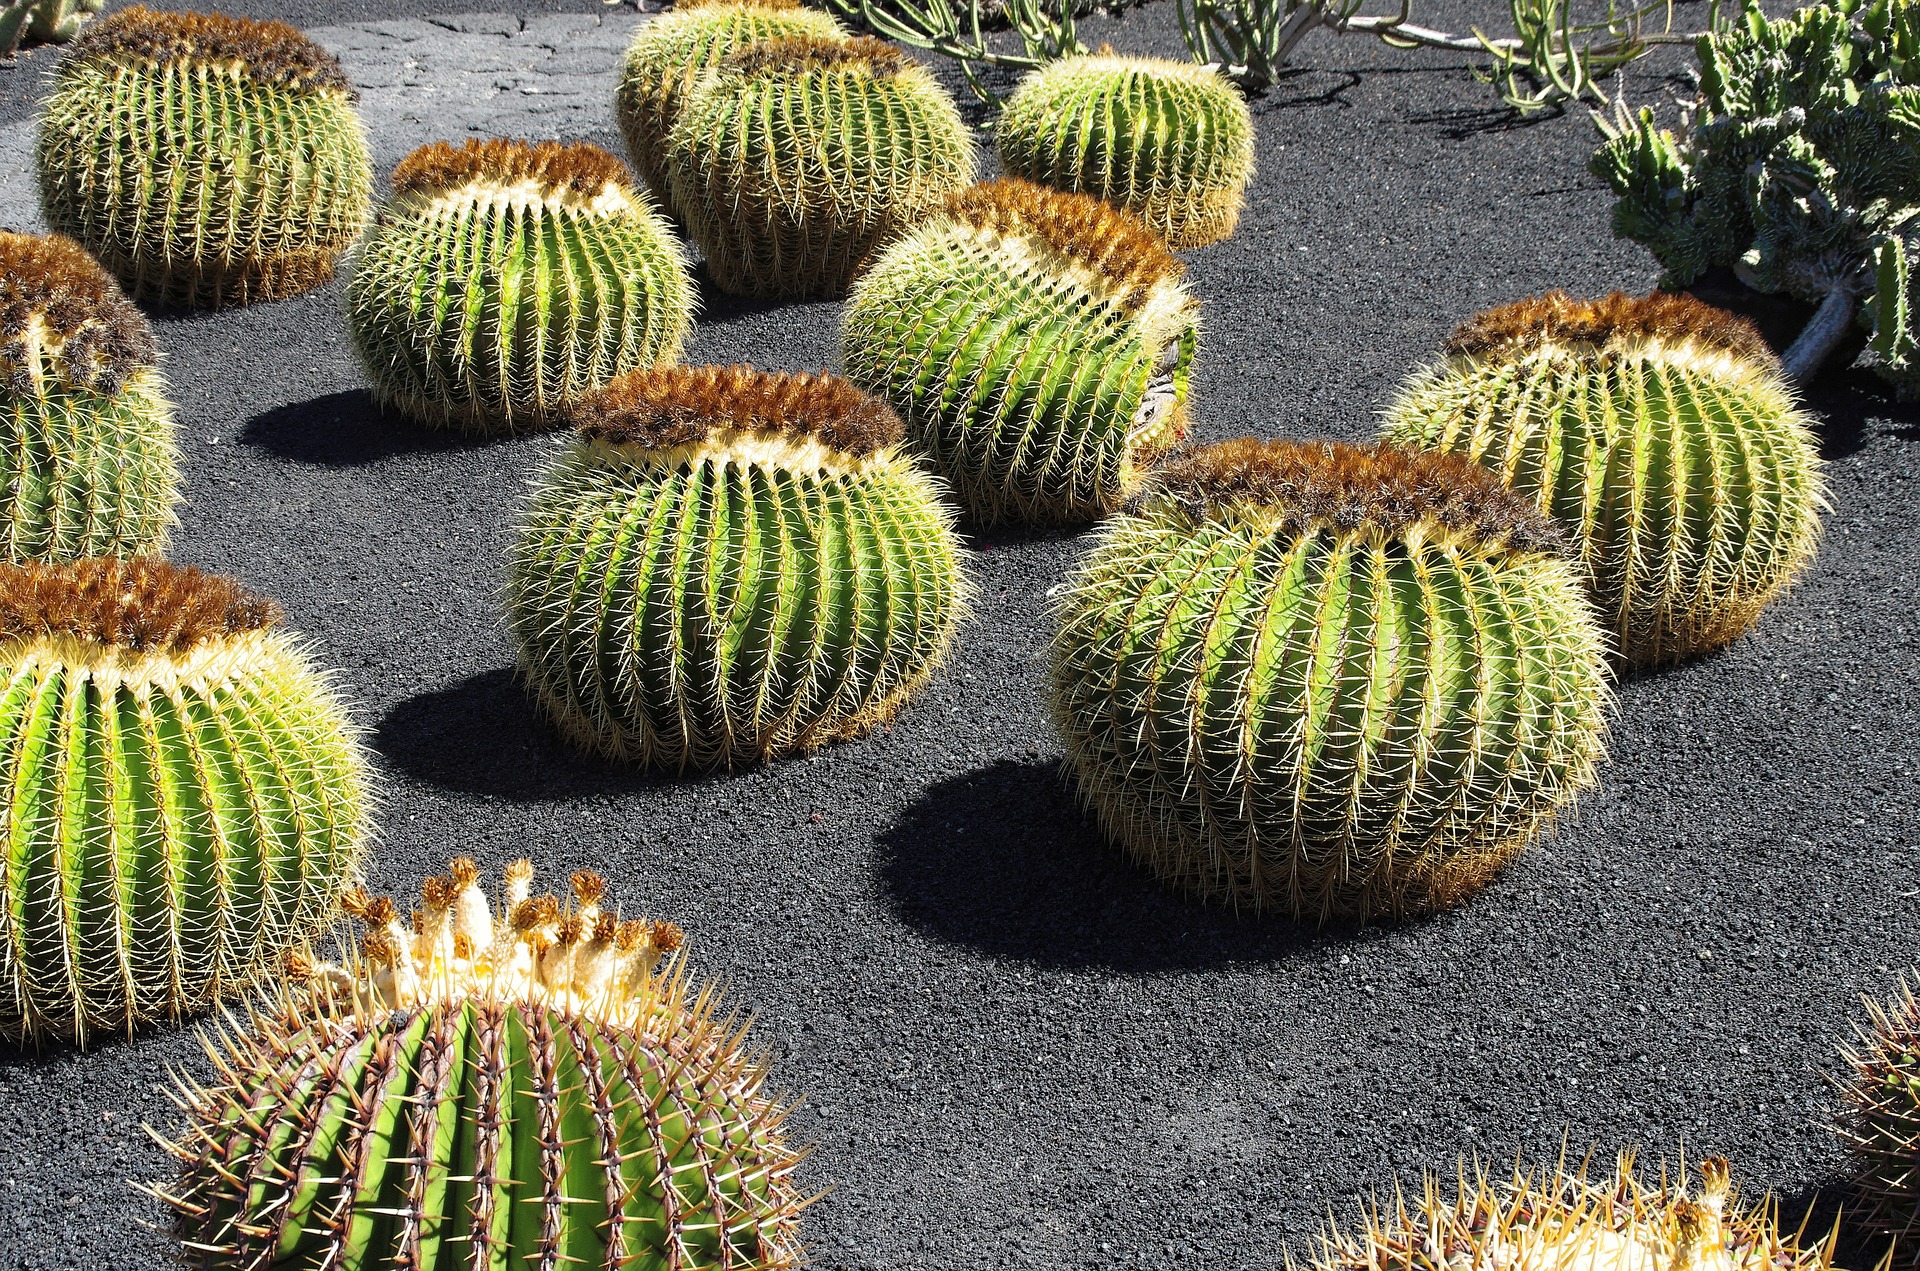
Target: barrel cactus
507, 277
1327, 681
206, 160
88, 432
531, 1087
184, 800
1659, 432
1037, 345
1169, 141
797, 158
1880, 1123
729, 566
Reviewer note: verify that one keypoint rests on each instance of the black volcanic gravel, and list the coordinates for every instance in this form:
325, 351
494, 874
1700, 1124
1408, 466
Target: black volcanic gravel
1015, 1050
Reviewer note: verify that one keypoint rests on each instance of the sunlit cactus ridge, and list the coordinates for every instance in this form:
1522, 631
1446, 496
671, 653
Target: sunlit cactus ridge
1880, 1124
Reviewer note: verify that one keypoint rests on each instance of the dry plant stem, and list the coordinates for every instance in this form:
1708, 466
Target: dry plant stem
1824, 332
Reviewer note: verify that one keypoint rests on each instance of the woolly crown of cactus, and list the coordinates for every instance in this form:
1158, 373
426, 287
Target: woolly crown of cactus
272, 54
669, 407
64, 317
554, 168
121, 607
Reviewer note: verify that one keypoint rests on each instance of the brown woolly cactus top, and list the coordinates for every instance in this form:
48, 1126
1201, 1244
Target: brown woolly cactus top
687, 6
1560, 318
663, 407
143, 605
799, 53
270, 53
1116, 244
558, 166
56, 301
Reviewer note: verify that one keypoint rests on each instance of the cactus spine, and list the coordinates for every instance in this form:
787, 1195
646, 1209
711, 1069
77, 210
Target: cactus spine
536, 1089
506, 278
1036, 344
183, 798
1327, 681
1169, 141
727, 567
88, 432
795, 159
1659, 432
1880, 1123
205, 160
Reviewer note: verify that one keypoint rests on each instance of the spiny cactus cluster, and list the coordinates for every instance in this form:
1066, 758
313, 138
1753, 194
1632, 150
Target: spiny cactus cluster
206, 160
1880, 1124
532, 1088
42, 21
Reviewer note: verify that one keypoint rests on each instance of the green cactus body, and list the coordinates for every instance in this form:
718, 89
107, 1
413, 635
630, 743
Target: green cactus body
508, 277
205, 160
183, 799
729, 567
86, 431
671, 52
1880, 1124
796, 159
1168, 141
1325, 681
1659, 432
1037, 345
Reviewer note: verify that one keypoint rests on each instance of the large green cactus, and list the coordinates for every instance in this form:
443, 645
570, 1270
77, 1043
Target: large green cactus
1327, 681
535, 1091
205, 160
507, 277
727, 567
86, 431
1168, 141
796, 159
1037, 345
1880, 1124
183, 800
1660, 434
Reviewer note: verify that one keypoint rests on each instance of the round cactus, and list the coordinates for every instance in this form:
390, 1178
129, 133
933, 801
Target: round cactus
205, 160
795, 159
1327, 681
1169, 141
671, 52
1036, 344
1880, 1123
1659, 432
541, 1091
184, 800
88, 432
507, 277
728, 566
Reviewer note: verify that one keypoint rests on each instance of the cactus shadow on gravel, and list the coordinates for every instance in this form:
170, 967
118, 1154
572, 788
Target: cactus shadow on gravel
343, 430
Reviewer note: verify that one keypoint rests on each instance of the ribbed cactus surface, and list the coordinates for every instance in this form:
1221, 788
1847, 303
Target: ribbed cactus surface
1036, 344
1880, 1124
539, 1091
1169, 141
728, 567
183, 799
206, 160
796, 159
1327, 681
1659, 432
86, 431
507, 277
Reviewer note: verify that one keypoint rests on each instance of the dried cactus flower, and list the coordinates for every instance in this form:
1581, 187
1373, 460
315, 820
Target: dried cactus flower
1880, 1124
1276, 672
1036, 344
230, 168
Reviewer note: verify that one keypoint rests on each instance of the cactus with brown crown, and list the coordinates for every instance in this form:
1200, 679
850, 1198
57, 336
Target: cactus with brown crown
506, 278
183, 799
1880, 1124
532, 1087
1659, 432
88, 441
1327, 681
206, 160
795, 159
728, 567
1037, 345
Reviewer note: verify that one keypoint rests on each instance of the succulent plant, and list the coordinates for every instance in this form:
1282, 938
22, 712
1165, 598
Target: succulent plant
1327, 681
42, 21
1036, 344
1880, 1124
729, 566
184, 802
670, 52
206, 160
86, 431
508, 277
795, 159
1169, 141
536, 1088
1658, 431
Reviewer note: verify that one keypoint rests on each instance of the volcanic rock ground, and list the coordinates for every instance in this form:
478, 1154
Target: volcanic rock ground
1017, 1051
